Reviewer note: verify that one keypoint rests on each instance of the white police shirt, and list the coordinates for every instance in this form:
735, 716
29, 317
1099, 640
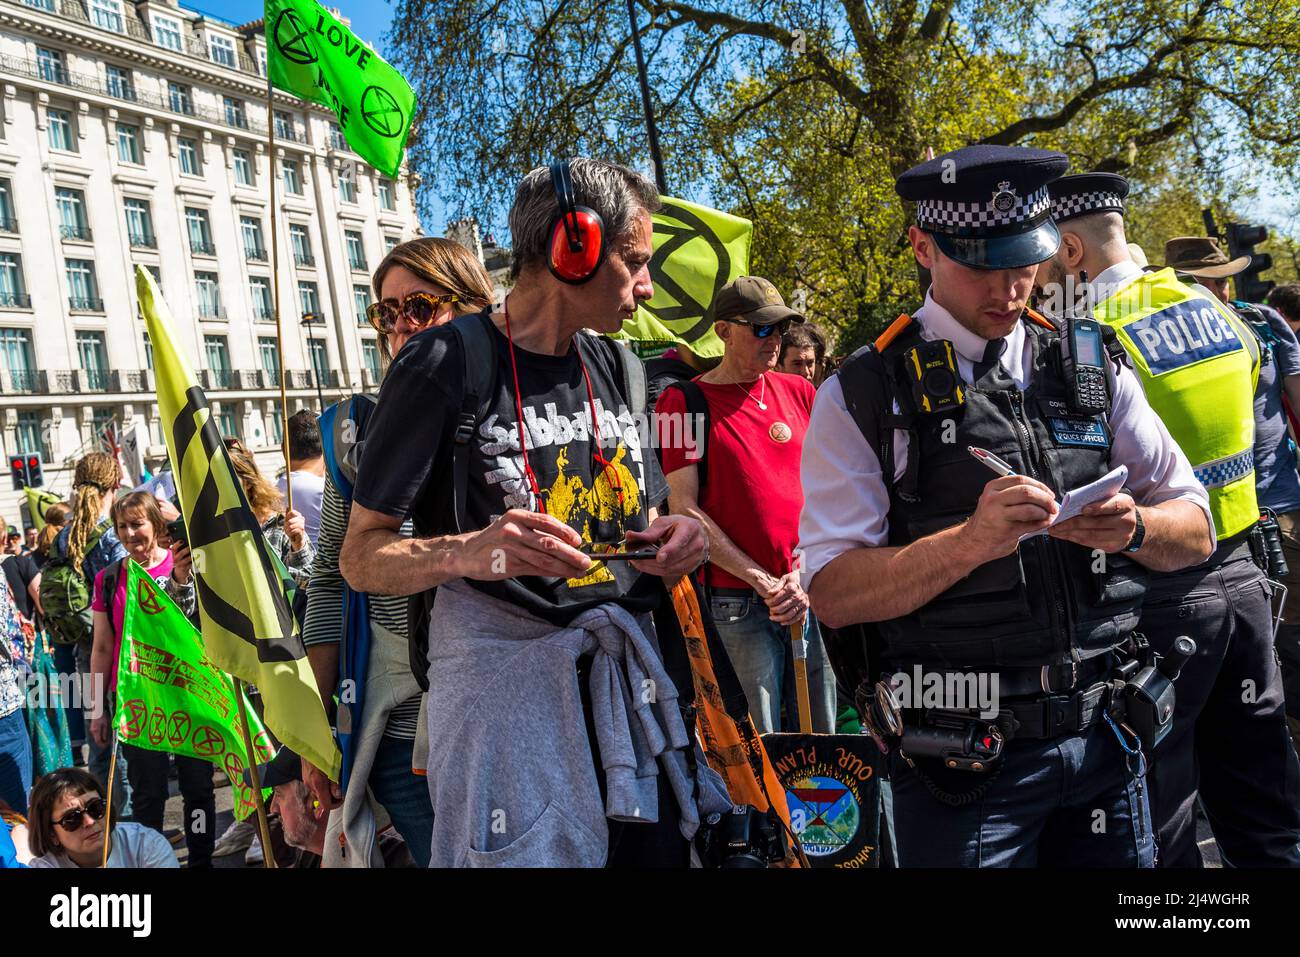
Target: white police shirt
837, 458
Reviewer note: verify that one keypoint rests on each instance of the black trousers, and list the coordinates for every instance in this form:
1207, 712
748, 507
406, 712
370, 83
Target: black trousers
147, 771
1230, 736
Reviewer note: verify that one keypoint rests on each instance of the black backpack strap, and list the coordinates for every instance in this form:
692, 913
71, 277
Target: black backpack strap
868, 388
112, 575
478, 353
697, 405
632, 372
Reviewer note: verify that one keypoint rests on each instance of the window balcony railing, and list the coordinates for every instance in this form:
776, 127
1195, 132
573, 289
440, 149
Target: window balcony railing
291, 132
254, 253
202, 247
210, 311
15, 300
358, 264
142, 240
75, 231
8, 224
217, 378
262, 314
94, 380
303, 258
24, 380
85, 304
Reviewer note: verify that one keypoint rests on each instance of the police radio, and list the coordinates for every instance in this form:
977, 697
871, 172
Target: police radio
1085, 369
932, 373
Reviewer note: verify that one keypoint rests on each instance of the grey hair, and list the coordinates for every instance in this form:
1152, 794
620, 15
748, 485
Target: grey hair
615, 192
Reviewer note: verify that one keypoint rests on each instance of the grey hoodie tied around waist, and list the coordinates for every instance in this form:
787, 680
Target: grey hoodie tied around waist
510, 768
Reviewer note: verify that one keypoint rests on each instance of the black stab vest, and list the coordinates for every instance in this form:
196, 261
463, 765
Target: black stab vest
1049, 601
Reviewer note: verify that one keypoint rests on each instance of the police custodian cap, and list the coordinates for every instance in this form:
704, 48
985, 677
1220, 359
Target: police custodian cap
988, 206
1084, 194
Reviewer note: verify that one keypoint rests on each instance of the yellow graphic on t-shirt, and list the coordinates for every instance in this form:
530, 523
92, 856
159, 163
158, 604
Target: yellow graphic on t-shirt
569, 500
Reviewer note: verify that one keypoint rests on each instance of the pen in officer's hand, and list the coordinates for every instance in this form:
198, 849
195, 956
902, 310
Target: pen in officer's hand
991, 460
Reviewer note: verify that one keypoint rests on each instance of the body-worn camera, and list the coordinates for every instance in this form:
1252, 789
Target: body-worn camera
932, 373
741, 837
1142, 690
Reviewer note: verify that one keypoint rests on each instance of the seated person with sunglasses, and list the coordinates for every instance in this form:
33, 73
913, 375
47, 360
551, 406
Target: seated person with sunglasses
534, 762
745, 489
66, 827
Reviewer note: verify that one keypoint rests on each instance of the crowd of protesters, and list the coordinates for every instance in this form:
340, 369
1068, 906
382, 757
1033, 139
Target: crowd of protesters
500, 722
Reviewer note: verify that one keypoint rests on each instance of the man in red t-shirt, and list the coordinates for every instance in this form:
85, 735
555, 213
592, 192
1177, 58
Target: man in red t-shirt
745, 489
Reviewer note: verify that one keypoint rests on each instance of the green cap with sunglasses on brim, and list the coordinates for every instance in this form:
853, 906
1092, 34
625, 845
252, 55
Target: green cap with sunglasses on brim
753, 300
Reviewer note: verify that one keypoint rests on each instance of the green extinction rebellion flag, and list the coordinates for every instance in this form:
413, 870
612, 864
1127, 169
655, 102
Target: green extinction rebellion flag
697, 251
312, 55
170, 697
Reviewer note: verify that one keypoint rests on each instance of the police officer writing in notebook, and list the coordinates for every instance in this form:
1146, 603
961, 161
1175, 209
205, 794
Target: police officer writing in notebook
1197, 363
903, 527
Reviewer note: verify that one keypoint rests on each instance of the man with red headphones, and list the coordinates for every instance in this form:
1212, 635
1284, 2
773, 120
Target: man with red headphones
555, 552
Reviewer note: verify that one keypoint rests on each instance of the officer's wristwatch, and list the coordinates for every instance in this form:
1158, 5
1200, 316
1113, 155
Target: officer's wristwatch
1139, 533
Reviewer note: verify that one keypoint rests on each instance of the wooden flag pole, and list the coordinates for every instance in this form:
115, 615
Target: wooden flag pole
272, 174
801, 675
263, 824
108, 809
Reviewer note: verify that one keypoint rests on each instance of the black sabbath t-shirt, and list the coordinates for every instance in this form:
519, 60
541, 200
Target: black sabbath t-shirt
406, 460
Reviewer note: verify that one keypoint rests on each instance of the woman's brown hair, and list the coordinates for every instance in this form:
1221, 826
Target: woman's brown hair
97, 475
263, 497
56, 516
45, 794
444, 263
139, 502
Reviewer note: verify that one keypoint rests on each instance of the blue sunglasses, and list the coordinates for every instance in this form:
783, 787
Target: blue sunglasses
762, 332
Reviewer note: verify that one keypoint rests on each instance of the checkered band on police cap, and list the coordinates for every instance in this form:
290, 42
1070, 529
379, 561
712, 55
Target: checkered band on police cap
1087, 201
1004, 207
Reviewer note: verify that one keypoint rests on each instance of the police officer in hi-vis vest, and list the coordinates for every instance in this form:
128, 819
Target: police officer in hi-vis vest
933, 468
1197, 363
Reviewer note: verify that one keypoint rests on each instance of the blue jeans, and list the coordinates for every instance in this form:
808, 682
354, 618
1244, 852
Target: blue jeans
758, 648
65, 663
15, 761
1067, 801
100, 757
404, 795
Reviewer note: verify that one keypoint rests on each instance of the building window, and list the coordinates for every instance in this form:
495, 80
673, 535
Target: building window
386, 195
94, 360
30, 437
284, 126
260, 288
277, 427
128, 143
107, 14
188, 151
179, 98
243, 168
270, 353
41, 4
370, 356
390, 243
51, 66
8, 222
300, 242
167, 32
337, 140
148, 352
61, 130
356, 253
18, 358
361, 299
292, 182
139, 224
319, 359
83, 291
218, 360
208, 295
251, 229
235, 115
222, 50
118, 81
13, 291
72, 213
196, 223
308, 298
347, 185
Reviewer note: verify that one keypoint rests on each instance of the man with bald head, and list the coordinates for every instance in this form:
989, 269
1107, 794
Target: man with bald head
1198, 364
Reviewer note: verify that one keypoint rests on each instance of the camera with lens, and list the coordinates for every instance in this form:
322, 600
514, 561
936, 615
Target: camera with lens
931, 370
741, 837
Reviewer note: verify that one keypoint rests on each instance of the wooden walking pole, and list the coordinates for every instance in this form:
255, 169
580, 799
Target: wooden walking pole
263, 824
272, 174
801, 674
108, 808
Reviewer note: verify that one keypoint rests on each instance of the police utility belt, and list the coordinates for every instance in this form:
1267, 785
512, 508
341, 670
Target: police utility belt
1130, 686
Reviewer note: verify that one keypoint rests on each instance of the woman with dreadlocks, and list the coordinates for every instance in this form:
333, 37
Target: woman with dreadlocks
88, 544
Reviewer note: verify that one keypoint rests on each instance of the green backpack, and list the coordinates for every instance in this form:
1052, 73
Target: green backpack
65, 594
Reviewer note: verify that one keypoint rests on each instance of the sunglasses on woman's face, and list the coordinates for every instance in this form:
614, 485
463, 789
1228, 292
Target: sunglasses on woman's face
72, 821
419, 308
763, 332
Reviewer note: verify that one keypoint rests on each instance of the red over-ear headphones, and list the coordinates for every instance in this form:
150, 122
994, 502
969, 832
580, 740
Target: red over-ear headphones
577, 246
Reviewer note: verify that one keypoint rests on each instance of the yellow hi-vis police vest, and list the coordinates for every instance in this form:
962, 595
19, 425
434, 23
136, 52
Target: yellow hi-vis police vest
1198, 364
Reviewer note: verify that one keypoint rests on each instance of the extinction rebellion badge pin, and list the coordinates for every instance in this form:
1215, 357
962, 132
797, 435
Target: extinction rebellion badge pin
779, 432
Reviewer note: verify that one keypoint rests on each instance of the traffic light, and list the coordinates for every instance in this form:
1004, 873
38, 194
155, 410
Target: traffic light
27, 471
1242, 240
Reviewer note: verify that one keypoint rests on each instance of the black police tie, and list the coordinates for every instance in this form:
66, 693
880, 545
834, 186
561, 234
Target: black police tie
989, 373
